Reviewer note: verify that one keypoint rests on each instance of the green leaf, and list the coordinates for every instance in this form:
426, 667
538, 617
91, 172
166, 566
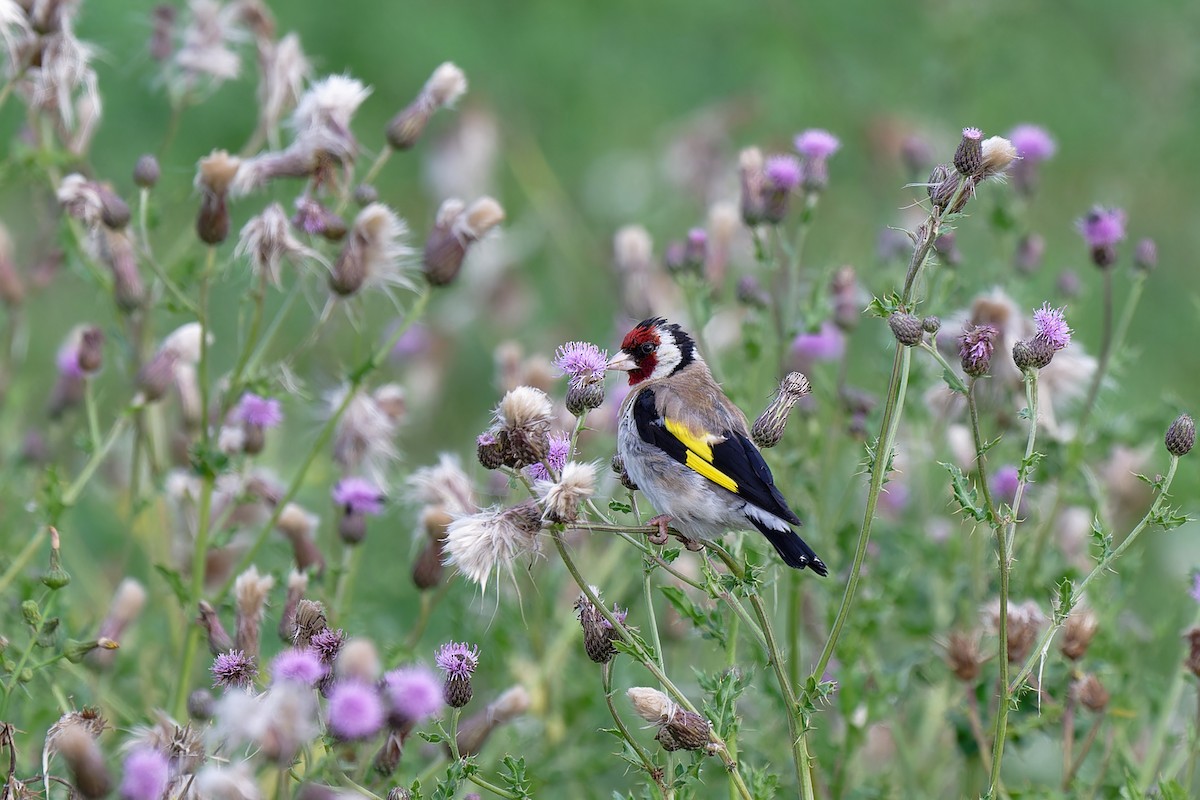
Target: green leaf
513, 776
885, 306
619, 507
708, 623
966, 494
175, 581
1101, 540
954, 382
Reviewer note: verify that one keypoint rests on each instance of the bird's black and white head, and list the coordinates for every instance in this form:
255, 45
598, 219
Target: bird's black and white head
654, 349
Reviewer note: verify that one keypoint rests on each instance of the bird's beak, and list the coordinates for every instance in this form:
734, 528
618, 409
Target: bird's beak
622, 362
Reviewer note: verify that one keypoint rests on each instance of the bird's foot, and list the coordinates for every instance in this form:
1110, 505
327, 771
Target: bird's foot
694, 545
661, 536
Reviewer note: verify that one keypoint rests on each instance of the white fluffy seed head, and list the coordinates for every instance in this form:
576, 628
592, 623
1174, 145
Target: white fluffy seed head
267, 240
633, 249
377, 238
251, 590
330, 101
998, 153
750, 160
359, 660
183, 343
513, 702
478, 218
284, 71
364, 437
445, 485
479, 544
651, 704
562, 499
445, 85
216, 171
296, 522
524, 407
449, 211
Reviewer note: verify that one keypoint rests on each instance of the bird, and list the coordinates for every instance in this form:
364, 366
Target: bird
686, 447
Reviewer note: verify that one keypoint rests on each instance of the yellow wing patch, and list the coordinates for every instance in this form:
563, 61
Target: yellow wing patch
700, 454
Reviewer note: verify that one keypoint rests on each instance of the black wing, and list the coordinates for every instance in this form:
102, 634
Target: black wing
733, 463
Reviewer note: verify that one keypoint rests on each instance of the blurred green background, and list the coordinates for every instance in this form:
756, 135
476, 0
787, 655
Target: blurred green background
592, 101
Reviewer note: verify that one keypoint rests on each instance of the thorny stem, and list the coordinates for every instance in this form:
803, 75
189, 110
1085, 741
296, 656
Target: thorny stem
1003, 547
980, 456
799, 741
1105, 565
654, 772
640, 654
893, 408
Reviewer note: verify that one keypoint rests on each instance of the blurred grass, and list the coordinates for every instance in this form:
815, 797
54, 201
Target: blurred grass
579, 87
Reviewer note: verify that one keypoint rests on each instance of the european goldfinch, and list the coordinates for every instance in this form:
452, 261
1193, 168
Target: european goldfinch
686, 447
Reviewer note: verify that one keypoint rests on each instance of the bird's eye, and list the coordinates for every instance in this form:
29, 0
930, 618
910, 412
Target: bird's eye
646, 348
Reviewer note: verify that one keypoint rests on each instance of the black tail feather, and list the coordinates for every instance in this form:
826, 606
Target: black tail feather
794, 551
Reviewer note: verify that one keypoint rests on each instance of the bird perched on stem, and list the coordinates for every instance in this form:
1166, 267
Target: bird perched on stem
687, 448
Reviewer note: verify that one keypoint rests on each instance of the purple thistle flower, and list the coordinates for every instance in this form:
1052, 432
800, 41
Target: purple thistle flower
234, 669
486, 439
827, 344
413, 693
301, 666
1033, 142
413, 342
1004, 483
358, 496
975, 347
618, 613
816, 144
265, 412
1052, 326
783, 172
327, 644
458, 660
560, 451
1196, 587
584, 362
147, 773
1102, 227
355, 710
309, 217
68, 361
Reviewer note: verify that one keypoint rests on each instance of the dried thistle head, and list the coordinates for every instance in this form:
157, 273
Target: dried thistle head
1078, 631
964, 657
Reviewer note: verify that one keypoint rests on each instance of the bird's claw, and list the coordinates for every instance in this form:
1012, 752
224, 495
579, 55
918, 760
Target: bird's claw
661, 537
694, 545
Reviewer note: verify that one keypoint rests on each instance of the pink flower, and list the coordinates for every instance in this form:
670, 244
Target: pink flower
1033, 142
1102, 227
816, 144
1052, 326
358, 496
265, 412
783, 172
355, 711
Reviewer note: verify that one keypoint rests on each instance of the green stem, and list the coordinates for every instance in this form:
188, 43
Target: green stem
1003, 544
1105, 565
1166, 716
1088, 741
273, 328
647, 762
199, 557
210, 259
648, 599
98, 455
23, 558
1106, 343
649, 663
46, 605
892, 411
351, 554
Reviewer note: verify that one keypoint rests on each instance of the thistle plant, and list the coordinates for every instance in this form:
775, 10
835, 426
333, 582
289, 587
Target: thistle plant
293, 354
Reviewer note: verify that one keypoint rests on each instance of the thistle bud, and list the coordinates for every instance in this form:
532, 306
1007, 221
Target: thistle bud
1145, 255
445, 86
56, 577
963, 656
146, 172
1078, 631
309, 621
250, 592
456, 228
906, 328
299, 526
1033, 353
585, 396
751, 293
1192, 662
975, 347
678, 729
127, 604
317, 220
943, 182
598, 633
155, 377
457, 661
200, 705
968, 158
1090, 693
89, 775
219, 640
365, 194
490, 447
90, 351
768, 428
618, 467
120, 258
214, 175
75, 650
931, 325
297, 585
844, 292
753, 181
1181, 436
428, 569
114, 212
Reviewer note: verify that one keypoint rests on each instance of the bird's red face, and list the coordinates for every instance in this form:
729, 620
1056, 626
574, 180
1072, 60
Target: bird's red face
653, 349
